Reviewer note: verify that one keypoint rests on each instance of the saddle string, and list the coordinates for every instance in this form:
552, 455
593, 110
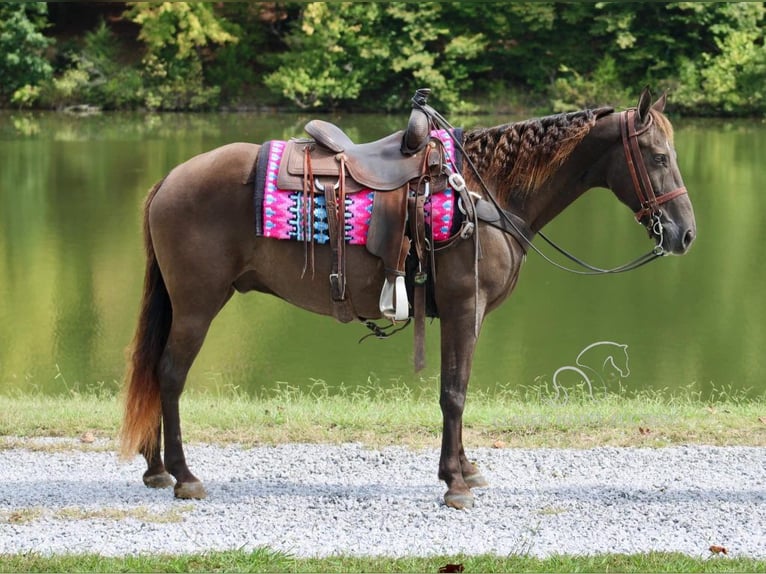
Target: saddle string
311, 222
382, 332
640, 261
306, 184
341, 228
308, 213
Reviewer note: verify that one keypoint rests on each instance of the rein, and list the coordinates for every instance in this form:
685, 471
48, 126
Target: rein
649, 201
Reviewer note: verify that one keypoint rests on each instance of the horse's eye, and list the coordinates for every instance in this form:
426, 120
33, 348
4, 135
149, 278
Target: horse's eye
661, 159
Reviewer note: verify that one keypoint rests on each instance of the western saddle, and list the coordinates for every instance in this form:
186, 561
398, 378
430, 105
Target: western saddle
402, 169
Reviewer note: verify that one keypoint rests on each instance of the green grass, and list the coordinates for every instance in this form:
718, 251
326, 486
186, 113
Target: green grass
264, 560
401, 416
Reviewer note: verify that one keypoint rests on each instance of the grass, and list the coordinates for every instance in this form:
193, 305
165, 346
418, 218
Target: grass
400, 416
265, 560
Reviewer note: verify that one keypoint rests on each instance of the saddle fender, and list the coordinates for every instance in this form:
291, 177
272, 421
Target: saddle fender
387, 226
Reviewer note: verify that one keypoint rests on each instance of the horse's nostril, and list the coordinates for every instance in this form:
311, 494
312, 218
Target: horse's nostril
688, 238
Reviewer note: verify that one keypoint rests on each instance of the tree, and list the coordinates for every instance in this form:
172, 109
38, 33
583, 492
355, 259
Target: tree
178, 36
22, 49
340, 53
729, 77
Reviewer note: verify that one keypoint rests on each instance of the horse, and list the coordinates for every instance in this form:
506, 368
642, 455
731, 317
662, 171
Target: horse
201, 249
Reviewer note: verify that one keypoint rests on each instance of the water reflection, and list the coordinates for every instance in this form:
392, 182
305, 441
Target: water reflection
71, 267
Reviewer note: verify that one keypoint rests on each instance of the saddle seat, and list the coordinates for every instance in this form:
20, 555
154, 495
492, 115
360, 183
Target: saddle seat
378, 165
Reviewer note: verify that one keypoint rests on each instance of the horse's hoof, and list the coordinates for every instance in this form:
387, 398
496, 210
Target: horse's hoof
476, 481
162, 480
193, 490
459, 501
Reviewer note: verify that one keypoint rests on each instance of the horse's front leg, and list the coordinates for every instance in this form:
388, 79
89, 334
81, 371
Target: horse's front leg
458, 341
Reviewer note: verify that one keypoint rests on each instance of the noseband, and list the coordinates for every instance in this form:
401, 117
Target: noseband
649, 201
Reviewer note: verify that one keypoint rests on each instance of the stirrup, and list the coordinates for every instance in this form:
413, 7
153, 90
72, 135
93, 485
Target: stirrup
394, 291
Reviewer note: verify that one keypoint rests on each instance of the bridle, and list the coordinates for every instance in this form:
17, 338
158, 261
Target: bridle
649, 202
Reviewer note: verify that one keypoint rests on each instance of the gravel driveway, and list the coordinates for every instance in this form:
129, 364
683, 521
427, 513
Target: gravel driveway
318, 500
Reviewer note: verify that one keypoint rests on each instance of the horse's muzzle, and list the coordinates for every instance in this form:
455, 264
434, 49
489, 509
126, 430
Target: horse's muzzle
673, 238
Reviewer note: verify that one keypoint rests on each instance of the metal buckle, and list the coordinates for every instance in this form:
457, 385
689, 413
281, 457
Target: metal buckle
457, 182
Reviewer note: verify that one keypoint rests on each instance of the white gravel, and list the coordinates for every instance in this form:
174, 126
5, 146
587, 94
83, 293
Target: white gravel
311, 500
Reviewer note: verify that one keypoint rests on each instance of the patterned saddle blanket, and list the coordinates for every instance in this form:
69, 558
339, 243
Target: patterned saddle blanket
279, 214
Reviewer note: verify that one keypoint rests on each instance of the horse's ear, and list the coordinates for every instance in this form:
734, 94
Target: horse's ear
644, 103
659, 105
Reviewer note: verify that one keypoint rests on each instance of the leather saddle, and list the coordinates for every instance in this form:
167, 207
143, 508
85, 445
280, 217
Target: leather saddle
378, 165
396, 168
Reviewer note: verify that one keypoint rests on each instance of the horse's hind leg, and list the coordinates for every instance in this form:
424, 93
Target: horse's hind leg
187, 334
156, 476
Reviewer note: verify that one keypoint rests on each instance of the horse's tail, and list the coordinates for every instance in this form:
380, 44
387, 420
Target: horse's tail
143, 410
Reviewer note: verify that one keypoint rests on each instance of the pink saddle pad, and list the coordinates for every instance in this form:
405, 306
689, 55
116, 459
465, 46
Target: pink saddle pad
281, 214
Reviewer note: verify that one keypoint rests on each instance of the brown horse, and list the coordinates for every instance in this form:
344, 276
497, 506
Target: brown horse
201, 248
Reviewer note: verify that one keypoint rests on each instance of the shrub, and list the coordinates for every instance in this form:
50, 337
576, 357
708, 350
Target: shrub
95, 75
572, 90
177, 35
374, 55
23, 65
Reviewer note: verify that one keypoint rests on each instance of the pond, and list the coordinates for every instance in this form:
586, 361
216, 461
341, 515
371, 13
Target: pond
71, 272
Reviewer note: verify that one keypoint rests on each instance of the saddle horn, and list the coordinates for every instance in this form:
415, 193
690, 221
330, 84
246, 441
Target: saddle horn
418, 127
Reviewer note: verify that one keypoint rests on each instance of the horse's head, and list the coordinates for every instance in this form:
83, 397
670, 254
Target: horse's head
646, 177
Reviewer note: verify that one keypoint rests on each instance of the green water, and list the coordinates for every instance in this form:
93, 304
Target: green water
71, 270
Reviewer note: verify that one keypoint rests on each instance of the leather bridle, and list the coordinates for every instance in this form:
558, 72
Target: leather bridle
649, 202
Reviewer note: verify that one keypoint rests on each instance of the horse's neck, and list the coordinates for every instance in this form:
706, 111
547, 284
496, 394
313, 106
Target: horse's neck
584, 169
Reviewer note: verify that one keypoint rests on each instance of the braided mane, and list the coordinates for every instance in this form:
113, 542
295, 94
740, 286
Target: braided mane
525, 154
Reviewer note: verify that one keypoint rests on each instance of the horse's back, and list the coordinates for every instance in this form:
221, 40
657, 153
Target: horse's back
209, 187
229, 165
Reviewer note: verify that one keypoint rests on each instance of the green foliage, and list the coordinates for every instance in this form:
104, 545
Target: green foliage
731, 78
22, 51
572, 91
95, 76
709, 54
432, 54
176, 85
343, 52
178, 37
239, 65
373, 55
326, 61
178, 29
25, 96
